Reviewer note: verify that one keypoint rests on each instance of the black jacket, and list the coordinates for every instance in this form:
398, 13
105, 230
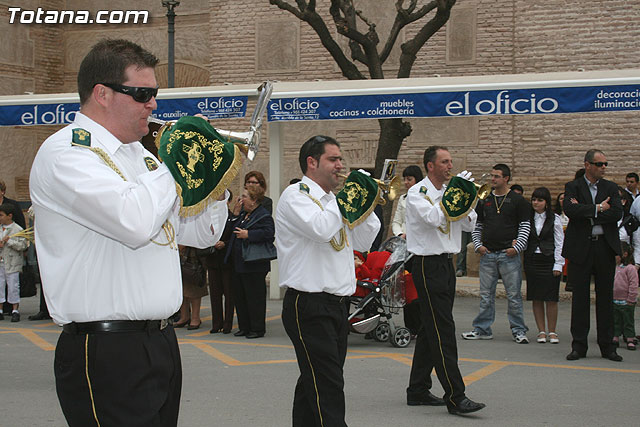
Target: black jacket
582, 218
261, 229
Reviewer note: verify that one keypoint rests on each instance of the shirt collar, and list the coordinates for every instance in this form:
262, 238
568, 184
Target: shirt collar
589, 184
101, 136
315, 190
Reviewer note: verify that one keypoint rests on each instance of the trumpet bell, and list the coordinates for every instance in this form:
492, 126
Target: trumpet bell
483, 190
393, 188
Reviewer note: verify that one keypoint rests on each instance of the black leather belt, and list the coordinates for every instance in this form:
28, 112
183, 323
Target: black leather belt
323, 295
448, 256
76, 328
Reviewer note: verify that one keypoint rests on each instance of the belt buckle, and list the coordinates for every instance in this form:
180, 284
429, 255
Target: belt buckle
164, 323
594, 237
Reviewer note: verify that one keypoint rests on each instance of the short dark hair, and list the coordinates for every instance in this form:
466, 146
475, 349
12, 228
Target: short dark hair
7, 208
506, 172
589, 155
258, 176
545, 194
579, 173
107, 61
625, 247
517, 187
314, 148
431, 153
414, 171
633, 175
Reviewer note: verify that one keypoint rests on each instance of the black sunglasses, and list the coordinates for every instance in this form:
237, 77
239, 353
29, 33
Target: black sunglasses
599, 164
139, 94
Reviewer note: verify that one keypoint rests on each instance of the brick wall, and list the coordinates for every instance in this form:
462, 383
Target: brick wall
511, 36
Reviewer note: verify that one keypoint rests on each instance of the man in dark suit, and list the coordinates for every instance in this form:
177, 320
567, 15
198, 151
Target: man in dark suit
591, 244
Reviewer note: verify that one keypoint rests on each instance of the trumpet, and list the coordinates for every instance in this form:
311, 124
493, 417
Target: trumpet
248, 142
483, 189
390, 189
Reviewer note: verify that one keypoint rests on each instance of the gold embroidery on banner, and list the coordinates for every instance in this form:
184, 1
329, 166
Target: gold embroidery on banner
191, 182
458, 196
354, 190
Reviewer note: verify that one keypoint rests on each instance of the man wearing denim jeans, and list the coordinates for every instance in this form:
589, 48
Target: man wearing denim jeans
500, 236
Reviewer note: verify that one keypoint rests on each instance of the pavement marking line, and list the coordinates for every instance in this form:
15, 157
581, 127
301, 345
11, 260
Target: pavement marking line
251, 344
217, 354
35, 338
551, 365
483, 372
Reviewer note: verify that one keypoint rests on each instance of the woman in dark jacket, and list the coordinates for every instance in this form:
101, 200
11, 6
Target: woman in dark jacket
253, 225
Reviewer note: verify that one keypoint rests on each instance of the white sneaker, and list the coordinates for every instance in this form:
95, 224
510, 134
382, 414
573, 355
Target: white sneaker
475, 335
521, 338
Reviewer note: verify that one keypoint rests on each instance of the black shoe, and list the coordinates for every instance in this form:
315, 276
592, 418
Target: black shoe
574, 355
252, 335
1, 316
226, 331
240, 334
15, 317
466, 406
191, 327
41, 315
425, 399
611, 356
215, 331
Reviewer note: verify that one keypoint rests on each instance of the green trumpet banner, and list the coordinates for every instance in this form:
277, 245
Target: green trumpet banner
202, 162
358, 198
458, 198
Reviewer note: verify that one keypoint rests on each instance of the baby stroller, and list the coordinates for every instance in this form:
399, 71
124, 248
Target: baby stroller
378, 299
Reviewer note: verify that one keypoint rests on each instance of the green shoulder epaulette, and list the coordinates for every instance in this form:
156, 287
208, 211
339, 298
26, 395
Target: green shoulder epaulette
151, 163
304, 188
423, 190
81, 137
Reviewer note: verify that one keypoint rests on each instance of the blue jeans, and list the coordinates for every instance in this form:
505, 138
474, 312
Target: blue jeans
492, 266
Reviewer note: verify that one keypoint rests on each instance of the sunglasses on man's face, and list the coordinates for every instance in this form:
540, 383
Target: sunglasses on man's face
599, 164
139, 94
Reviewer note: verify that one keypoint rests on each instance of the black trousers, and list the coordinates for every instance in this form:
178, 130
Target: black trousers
601, 263
250, 297
317, 326
119, 378
435, 280
220, 285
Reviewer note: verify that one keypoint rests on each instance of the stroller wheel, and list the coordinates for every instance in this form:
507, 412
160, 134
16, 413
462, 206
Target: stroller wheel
401, 338
382, 332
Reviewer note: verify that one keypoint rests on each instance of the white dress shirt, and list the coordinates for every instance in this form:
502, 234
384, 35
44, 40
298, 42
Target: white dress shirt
558, 237
425, 222
306, 260
94, 230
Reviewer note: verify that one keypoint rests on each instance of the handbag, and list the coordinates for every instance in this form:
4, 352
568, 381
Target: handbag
192, 270
258, 251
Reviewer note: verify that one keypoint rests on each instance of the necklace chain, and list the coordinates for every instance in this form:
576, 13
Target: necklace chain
499, 206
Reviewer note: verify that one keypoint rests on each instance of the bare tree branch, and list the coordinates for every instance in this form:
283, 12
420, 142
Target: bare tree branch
403, 18
308, 14
410, 48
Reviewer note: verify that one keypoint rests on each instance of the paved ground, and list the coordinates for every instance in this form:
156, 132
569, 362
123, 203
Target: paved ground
231, 381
